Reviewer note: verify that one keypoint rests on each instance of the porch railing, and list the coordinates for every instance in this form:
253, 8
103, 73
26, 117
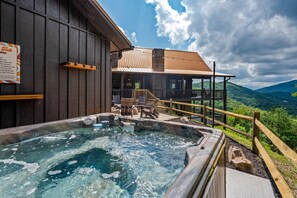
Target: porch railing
193, 94
257, 146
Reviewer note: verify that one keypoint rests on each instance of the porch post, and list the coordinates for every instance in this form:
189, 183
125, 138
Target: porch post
210, 101
213, 92
143, 81
182, 88
201, 94
225, 101
122, 84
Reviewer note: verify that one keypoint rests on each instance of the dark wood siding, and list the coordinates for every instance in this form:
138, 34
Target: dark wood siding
51, 32
39, 59
27, 59
91, 75
8, 108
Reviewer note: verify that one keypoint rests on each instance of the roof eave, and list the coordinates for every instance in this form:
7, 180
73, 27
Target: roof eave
172, 73
103, 23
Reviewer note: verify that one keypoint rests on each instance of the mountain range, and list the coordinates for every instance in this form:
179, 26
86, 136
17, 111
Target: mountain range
282, 87
267, 98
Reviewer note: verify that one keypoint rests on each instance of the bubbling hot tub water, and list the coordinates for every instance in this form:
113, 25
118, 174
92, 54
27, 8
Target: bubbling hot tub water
90, 162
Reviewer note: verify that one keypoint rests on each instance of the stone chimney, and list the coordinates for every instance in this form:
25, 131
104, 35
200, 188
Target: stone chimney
158, 59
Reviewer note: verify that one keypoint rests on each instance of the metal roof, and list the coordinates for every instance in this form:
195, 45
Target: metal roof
184, 60
168, 71
139, 60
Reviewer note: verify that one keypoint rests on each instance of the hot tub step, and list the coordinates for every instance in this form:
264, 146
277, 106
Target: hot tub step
240, 184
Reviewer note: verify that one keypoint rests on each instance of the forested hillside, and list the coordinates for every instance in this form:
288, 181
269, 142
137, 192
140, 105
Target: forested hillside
282, 87
267, 101
278, 111
264, 101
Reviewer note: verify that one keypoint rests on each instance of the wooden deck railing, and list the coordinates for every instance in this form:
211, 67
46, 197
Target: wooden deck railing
177, 94
148, 95
257, 147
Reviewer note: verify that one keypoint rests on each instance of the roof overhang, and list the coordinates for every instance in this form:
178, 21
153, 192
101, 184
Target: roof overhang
102, 21
168, 72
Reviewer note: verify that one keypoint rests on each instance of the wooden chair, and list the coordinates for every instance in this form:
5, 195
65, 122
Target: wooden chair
126, 106
116, 101
151, 110
141, 100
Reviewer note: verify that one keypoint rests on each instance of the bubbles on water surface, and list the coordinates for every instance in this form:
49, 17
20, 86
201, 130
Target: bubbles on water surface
142, 164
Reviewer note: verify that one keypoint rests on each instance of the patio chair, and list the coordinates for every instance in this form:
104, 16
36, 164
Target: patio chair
116, 101
151, 111
126, 106
141, 100
155, 109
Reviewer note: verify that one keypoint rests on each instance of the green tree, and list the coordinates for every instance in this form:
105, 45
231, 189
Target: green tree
239, 108
295, 94
281, 123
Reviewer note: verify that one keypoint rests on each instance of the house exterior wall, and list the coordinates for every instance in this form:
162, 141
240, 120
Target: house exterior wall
158, 84
51, 32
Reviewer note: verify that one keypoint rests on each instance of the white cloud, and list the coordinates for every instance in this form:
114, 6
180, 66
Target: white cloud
122, 29
170, 23
133, 37
253, 39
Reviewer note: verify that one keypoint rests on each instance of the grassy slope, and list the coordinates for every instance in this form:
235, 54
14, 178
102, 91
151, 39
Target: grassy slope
287, 169
254, 101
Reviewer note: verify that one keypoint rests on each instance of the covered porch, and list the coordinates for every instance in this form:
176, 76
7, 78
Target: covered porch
174, 86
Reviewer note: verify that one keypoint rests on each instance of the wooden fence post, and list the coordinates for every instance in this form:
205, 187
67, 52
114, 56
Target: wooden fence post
170, 107
255, 132
204, 114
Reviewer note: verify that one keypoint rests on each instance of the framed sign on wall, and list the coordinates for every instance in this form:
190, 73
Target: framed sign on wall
10, 63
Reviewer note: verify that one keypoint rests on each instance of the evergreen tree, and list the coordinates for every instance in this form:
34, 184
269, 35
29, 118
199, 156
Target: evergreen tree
295, 94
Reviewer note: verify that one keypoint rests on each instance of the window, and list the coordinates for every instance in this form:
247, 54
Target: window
137, 85
172, 84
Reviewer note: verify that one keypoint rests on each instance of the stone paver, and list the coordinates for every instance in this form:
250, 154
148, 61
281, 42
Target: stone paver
243, 185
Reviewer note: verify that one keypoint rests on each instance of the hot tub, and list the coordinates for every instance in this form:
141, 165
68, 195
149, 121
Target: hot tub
68, 159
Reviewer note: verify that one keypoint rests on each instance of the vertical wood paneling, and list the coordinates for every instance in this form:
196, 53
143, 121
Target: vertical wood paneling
45, 44
39, 49
27, 60
82, 74
13, 0
90, 75
108, 78
63, 105
27, 3
90, 27
98, 77
54, 8
64, 10
74, 16
73, 75
52, 71
82, 22
40, 6
103, 77
7, 113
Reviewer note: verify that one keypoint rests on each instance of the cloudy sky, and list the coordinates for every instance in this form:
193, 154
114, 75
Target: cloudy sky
254, 39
